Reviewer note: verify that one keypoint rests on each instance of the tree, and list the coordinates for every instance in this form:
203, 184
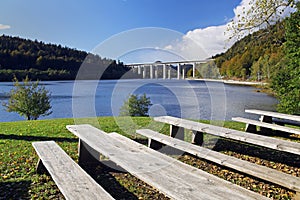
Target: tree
259, 14
286, 82
136, 106
29, 99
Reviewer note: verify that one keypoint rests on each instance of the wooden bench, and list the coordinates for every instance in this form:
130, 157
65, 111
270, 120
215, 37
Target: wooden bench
268, 116
71, 179
251, 126
252, 169
170, 176
177, 126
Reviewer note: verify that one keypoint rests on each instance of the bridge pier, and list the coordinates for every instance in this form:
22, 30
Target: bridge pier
178, 71
169, 72
194, 69
139, 70
164, 71
156, 72
151, 71
144, 72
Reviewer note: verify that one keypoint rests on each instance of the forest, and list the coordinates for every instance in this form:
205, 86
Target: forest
255, 57
39, 61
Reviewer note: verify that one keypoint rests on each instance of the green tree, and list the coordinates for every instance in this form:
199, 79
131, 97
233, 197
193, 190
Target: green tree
286, 82
29, 99
136, 106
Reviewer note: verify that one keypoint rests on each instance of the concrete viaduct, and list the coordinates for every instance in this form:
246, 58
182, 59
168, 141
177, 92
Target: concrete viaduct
151, 70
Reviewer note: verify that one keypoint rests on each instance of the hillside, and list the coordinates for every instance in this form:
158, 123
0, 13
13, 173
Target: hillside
255, 56
22, 57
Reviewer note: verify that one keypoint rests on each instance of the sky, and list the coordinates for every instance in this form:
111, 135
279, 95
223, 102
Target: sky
119, 29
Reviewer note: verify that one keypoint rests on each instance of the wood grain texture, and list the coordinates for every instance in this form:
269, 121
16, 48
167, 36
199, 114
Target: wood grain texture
267, 125
252, 169
260, 140
73, 182
274, 114
170, 176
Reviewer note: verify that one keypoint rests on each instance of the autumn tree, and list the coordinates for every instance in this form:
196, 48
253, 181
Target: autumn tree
29, 99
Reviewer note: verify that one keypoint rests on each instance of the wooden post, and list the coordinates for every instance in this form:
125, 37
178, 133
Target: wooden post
153, 144
266, 119
87, 155
40, 168
250, 128
197, 138
177, 132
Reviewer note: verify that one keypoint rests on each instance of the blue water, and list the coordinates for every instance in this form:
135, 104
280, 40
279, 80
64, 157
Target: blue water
181, 98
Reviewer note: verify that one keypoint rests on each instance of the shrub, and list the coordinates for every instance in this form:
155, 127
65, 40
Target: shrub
29, 99
136, 106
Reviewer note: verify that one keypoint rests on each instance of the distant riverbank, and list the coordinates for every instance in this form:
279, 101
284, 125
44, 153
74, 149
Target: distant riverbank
234, 82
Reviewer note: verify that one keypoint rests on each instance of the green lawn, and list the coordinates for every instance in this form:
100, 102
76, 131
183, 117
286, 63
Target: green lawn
18, 178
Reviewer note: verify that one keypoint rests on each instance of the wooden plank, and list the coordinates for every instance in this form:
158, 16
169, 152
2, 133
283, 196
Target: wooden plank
174, 178
252, 169
71, 179
274, 114
260, 140
267, 125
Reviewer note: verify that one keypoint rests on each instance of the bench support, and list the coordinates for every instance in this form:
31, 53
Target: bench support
153, 144
250, 128
267, 119
197, 138
177, 132
40, 167
87, 155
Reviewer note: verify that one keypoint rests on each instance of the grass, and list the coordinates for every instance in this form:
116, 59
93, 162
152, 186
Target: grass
18, 178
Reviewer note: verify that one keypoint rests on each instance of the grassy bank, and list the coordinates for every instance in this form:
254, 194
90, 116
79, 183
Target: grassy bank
18, 178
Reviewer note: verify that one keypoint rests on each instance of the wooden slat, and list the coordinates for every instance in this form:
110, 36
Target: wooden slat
252, 169
71, 179
267, 125
260, 140
174, 178
274, 114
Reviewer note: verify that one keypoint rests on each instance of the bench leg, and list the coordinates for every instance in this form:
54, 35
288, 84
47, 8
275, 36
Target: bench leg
250, 128
297, 196
40, 167
266, 119
177, 132
87, 155
153, 144
197, 138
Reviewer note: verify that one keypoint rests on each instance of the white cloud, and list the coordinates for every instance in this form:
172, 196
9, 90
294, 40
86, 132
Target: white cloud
2, 26
212, 40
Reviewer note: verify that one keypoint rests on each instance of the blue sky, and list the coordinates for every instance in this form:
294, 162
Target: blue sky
84, 24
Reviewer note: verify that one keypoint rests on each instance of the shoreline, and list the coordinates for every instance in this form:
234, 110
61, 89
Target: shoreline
233, 82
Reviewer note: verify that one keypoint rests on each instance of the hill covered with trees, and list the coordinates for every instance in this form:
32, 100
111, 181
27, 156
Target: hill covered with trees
273, 55
37, 60
254, 57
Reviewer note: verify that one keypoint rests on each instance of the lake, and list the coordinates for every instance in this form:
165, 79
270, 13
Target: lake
180, 98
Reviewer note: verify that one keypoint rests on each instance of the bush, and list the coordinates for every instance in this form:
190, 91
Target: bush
136, 106
29, 100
